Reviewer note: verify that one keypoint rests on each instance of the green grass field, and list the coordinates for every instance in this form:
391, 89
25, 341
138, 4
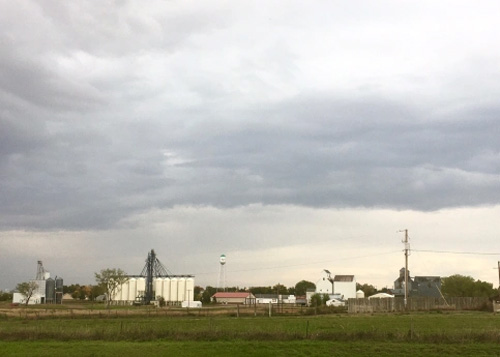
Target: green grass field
419, 334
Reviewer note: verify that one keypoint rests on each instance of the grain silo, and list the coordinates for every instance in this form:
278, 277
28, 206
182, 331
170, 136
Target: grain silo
156, 281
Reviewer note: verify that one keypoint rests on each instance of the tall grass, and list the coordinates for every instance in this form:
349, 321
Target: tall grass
426, 328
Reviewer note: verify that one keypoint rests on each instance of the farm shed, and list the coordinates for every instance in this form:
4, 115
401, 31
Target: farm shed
245, 298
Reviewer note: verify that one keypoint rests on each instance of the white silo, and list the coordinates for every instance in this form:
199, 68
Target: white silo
173, 289
181, 289
158, 287
124, 291
166, 289
190, 289
141, 286
132, 289
360, 294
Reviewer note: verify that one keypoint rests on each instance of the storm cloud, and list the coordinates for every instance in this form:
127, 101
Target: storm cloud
112, 110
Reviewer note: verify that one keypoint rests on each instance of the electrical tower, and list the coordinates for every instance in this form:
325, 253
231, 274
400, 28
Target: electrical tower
153, 269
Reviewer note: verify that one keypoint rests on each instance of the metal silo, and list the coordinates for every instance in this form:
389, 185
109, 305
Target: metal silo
181, 289
190, 289
166, 289
158, 284
132, 289
173, 289
141, 287
50, 291
59, 290
124, 292
59, 284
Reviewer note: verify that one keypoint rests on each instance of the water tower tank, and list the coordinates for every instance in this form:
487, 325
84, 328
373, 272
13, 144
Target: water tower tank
50, 290
360, 294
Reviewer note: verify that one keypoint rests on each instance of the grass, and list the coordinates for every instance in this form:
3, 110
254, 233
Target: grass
246, 348
120, 331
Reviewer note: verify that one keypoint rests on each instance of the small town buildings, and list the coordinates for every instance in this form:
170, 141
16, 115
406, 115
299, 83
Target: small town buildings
345, 285
428, 286
267, 298
275, 299
245, 298
399, 283
338, 285
380, 296
418, 286
325, 283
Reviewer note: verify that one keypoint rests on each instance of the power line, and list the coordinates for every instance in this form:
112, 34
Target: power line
452, 252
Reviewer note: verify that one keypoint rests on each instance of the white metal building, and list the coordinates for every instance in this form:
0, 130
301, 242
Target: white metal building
339, 285
345, 285
325, 283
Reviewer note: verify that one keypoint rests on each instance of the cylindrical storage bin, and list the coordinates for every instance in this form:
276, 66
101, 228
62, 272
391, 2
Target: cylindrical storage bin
132, 289
173, 289
190, 289
141, 286
50, 290
166, 289
181, 289
158, 284
59, 284
124, 291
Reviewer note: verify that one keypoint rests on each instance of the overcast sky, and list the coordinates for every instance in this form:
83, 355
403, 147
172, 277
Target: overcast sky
291, 136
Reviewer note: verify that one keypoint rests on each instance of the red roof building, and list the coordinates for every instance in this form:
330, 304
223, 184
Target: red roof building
245, 298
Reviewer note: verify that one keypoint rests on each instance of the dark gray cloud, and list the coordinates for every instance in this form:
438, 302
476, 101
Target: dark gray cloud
114, 109
318, 153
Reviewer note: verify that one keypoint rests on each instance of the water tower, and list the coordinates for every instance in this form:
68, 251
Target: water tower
222, 273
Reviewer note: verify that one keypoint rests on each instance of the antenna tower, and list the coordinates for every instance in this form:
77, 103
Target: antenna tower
153, 269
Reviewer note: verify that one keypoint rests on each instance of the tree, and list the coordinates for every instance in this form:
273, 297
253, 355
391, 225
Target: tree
319, 299
261, 290
465, 286
111, 280
27, 289
95, 291
280, 289
206, 296
302, 286
368, 289
5, 296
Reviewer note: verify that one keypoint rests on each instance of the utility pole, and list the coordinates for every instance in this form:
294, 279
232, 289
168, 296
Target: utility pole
499, 275
406, 250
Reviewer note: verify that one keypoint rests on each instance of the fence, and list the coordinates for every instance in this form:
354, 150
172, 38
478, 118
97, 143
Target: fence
417, 304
